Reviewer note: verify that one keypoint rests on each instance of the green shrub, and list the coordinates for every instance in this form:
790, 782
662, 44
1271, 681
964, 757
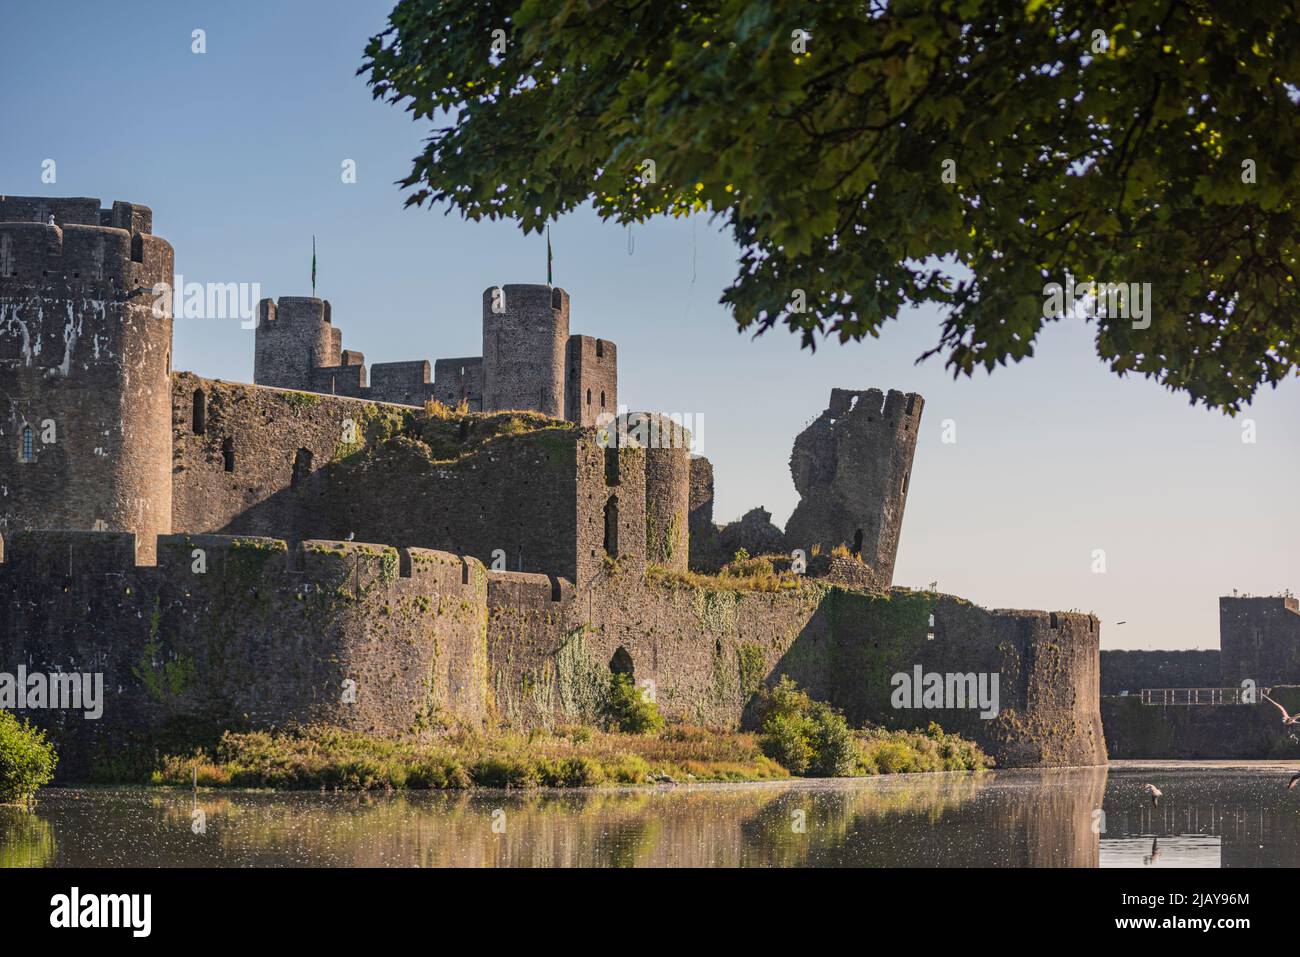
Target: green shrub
786, 741
27, 760
629, 710
805, 736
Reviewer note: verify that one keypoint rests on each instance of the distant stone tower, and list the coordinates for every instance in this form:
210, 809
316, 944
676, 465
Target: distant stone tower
591, 381
294, 337
85, 368
525, 339
851, 468
667, 486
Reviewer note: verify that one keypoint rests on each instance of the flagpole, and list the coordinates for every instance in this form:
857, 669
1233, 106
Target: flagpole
313, 266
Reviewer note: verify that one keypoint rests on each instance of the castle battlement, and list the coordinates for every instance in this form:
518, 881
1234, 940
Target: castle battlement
85, 245
62, 556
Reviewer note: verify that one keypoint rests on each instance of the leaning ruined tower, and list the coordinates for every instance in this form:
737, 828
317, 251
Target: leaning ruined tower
852, 467
85, 368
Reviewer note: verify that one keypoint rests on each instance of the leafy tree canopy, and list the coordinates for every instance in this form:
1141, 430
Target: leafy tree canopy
958, 152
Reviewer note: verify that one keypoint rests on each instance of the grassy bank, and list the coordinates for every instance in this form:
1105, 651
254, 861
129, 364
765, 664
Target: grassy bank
320, 757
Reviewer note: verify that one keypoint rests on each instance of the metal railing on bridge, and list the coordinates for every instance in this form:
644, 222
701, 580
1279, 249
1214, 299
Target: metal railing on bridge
1193, 696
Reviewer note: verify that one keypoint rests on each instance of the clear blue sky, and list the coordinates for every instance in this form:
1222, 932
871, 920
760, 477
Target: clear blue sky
238, 152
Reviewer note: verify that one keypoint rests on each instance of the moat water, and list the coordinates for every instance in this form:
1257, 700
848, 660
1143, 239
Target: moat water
1217, 815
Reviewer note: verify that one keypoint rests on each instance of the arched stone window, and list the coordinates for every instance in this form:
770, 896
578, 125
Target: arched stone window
621, 663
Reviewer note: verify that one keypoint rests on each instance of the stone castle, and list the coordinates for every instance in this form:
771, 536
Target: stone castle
232, 555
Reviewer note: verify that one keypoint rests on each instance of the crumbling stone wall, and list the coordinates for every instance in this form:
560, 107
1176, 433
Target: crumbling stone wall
852, 467
243, 633
84, 366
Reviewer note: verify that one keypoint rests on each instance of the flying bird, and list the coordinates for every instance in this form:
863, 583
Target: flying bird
1287, 718
1155, 792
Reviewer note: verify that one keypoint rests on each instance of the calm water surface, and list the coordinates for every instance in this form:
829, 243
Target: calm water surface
1218, 815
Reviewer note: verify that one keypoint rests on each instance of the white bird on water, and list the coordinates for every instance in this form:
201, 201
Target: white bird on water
1287, 718
1295, 779
351, 535
1155, 792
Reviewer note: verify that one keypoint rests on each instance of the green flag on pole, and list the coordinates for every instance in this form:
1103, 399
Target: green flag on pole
313, 267
548, 256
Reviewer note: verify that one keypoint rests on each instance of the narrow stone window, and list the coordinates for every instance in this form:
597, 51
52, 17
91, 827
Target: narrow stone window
588, 397
600, 348
301, 467
200, 412
28, 452
611, 527
228, 453
602, 399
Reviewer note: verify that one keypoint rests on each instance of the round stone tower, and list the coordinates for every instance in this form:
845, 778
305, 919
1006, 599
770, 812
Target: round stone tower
667, 486
525, 336
293, 337
85, 368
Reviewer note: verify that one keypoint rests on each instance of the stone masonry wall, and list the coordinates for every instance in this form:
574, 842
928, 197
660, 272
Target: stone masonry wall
1199, 732
706, 653
243, 633
540, 498
1132, 671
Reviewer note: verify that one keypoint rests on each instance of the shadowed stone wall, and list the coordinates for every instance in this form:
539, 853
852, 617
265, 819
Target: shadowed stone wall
1133, 671
1205, 732
229, 633
1260, 640
538, 497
